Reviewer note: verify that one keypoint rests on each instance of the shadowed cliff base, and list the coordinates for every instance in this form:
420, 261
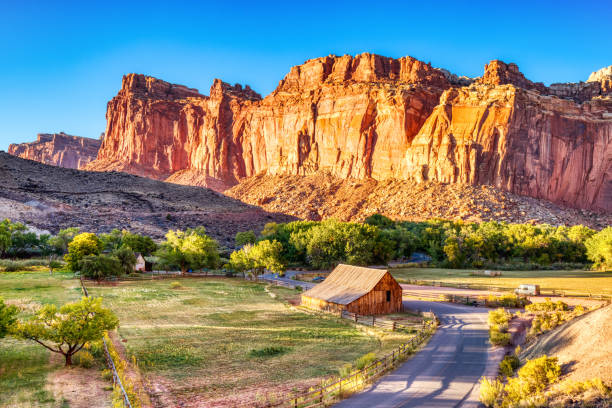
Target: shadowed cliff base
51, 198
323, 196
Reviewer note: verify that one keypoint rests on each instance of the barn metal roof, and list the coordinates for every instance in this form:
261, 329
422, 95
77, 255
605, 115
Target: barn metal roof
346, 284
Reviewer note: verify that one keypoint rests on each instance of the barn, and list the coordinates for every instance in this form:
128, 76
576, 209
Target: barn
365, 291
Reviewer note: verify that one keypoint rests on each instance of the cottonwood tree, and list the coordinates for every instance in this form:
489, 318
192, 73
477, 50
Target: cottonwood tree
62, 239
100, 267
82, 245
259, 257
126, 258
190, 249
66, 330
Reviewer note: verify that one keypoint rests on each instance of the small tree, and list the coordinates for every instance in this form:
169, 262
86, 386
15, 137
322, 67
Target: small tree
126, 258
8, 318
599, 249
54, 264
66, 330
256, 258
100, 267
191, 249
138, 243
246, 237
82, 245
62, 239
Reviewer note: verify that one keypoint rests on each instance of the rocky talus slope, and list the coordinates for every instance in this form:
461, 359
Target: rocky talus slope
50, 198
321, 196
58, 149
371, 117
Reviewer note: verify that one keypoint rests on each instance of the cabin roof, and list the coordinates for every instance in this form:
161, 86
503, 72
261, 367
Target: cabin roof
346, 284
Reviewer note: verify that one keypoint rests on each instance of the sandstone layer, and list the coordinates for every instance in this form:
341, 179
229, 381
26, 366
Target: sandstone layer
58, 149
372, 117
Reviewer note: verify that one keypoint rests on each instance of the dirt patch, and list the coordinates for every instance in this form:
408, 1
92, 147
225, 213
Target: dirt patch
582, 345
79, 387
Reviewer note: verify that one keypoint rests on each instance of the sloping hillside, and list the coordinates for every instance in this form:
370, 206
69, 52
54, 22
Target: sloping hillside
321, 196
50, 198
583, 346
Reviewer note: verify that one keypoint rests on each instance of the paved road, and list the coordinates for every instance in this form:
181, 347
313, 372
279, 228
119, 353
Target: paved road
287, 279
445, 372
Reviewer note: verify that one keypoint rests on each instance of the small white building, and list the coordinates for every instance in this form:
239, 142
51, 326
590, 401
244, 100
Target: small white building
141, 263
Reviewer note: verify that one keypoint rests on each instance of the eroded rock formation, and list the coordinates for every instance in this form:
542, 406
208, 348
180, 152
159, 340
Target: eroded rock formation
370, 116
58, 149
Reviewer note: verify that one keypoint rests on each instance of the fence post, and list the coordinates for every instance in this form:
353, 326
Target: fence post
373, 320
394, 325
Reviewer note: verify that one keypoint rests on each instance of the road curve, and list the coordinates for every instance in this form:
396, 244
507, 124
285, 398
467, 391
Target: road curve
445, 372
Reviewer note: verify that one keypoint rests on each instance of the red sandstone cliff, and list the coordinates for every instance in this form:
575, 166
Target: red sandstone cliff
373, 117
58, 149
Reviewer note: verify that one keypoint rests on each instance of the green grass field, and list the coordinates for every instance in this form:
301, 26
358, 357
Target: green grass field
578, 282
24, 365
215, 337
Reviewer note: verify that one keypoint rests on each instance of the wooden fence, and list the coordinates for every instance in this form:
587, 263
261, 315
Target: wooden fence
110, 362
378, 322
492, 288
327, 394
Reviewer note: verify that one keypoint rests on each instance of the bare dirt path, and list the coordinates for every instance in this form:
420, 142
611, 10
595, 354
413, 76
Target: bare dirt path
443, 374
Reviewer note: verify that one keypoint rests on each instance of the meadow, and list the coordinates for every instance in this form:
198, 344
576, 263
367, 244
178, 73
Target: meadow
575, 282
200, 340
24, 365
205, 339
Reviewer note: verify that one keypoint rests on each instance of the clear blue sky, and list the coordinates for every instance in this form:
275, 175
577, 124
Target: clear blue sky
60, 62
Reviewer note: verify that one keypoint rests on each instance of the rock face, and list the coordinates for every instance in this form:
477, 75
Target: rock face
58, 149
370, 116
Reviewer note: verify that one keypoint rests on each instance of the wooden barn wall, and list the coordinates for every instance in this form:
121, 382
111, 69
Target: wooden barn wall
375, 302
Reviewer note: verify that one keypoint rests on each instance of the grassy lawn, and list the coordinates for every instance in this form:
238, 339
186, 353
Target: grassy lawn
578, 282
216, 337
24, 365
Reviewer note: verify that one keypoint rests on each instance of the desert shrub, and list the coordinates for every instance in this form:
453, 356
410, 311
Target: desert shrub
83, 359
107, 375
176, 285
570, 387
508, 365
547, 306
345, 370
365, 360
499, 318
491, 392
532, 378
11, 266
268, 351
498, 338
507, 300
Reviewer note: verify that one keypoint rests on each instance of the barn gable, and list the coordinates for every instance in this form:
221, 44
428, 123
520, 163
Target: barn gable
357, 289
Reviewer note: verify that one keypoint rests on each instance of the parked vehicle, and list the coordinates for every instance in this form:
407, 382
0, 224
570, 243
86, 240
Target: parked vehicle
527, 289
318, 279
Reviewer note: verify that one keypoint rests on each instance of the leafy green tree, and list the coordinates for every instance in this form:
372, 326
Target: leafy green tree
62, 239
138, 243
8, 317
54, 264
380, 221
100, 267
259, 257
246, 237
126, 258
191, 249
66, 330
599, 249
112, 240
82, 245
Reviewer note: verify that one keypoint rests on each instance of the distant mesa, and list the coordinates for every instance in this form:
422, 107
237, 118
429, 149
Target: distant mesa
58, 149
